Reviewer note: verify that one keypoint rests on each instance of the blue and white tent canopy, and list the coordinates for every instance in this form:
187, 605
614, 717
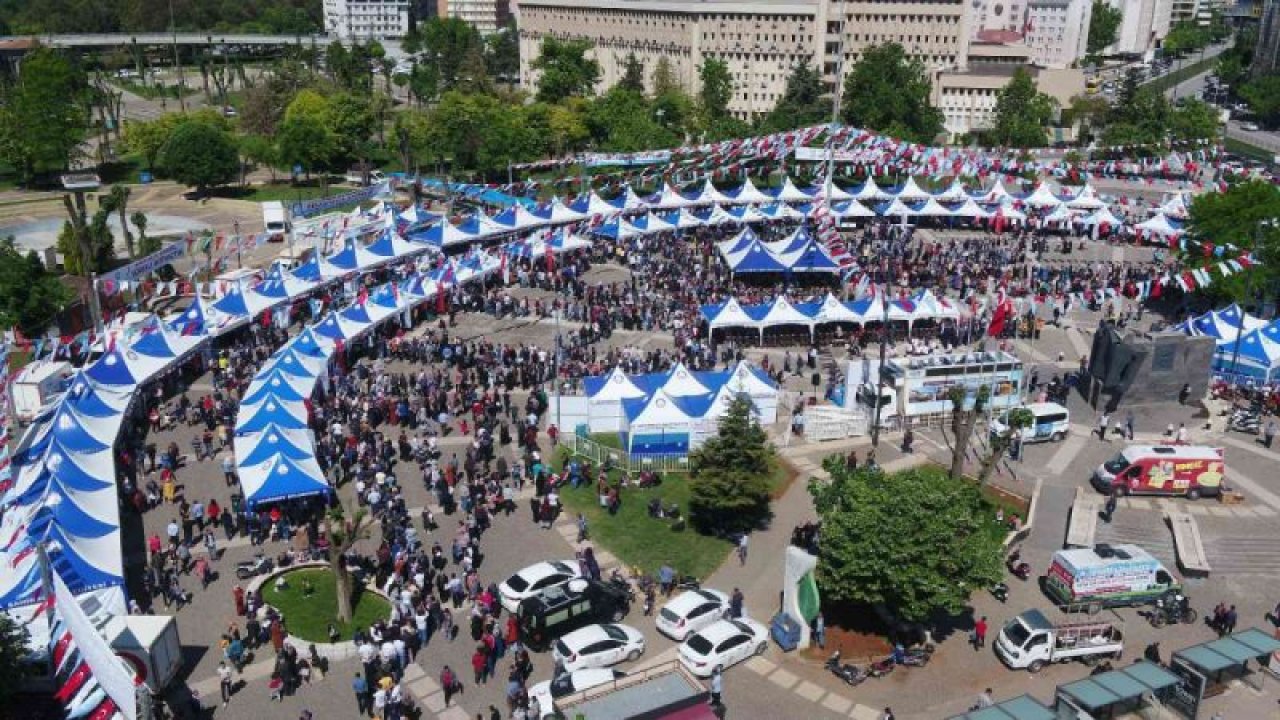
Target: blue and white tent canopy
710, 195
1160, 225
443, 234
955, 193
165, 344
282, 478
594, 205
279, 287
810, 258
1223, 325
517, 217
271, 411
755, 258
997, 194
671, 198
275, 383
556, 212
261, 447
113, 369
391, 246
832, 193
1257, 355
851, 208
200, 318
971, 209
680, 382
788, 192
613, 387
870, 192
1043, 197
736, 244
729, 314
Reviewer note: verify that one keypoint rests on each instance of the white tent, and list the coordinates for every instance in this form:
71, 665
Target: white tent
832, 310
1175, 207
681, 383
731, 314
1102, 216
748, 194
997, 194
831, 193
911, 192
670, 198
711, 195
604, 400
1043, 197
852, 208
790, 193
782, 312
1159, 225
751, 381
1060, 214
662, 423
1086, 199
971, 209
932, 208
955, 193
871, 192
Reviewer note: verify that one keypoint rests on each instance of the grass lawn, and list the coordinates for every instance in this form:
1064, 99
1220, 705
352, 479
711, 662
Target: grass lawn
308, 617
640, 541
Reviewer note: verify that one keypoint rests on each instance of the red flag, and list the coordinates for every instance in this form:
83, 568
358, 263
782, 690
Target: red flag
998, 318
440, 302
551, 259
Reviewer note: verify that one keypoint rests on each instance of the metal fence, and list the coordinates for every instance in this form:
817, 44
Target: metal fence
598, 453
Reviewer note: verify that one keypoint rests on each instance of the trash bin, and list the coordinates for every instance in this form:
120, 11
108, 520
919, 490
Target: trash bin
785, 631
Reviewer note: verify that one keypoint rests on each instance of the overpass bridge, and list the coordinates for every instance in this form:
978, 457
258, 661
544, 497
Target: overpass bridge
89, 41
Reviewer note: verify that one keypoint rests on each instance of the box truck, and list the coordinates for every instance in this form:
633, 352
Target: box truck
1107, 576
36, 385
149, 643
1030, 641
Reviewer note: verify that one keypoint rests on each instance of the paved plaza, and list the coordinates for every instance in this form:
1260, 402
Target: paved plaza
1242, 542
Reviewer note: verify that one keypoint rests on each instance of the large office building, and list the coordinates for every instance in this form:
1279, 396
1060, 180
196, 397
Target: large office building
1266, 56
761, 41
1055, 31
366, 19
968, 98
484, 15
1143, 25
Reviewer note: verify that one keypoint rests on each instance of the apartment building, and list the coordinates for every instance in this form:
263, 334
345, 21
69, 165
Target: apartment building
760, 41
967, 98
1143, 24
366, 19
484, 15
1266, 56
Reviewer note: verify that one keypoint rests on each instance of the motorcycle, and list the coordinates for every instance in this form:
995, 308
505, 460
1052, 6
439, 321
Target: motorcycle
1000, 591
688, 582
880, 668
619, 581
851, 674
259, 565
914, 657
1171, 610
1019, 569
1245, 421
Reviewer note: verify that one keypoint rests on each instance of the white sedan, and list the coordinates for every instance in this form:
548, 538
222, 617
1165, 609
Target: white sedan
547, 692
534, 579
596, 646
691, 611
723, 645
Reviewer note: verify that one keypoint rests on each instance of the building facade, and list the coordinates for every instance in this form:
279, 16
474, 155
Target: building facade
967, 98
484, 15
1143, 24
760, 41
1057, 31
366, 19
1266, 56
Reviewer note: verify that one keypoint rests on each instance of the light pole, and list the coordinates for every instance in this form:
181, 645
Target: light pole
236, 226
884, 342
182, 80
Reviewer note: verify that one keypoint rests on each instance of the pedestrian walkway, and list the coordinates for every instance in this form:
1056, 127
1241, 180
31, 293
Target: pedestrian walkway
810, 691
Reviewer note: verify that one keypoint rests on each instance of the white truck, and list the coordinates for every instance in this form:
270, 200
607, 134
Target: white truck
36, 385
356, 176
913, 387
275, 218
1030, 641
149, 643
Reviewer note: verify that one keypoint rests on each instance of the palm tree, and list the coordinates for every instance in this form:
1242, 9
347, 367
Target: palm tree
118, 200
343, 535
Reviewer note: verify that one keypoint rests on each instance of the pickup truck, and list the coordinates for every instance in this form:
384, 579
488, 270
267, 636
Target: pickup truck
1030, 641
356, 177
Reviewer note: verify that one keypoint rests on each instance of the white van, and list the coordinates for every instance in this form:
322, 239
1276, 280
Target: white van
1052, 422
276, 220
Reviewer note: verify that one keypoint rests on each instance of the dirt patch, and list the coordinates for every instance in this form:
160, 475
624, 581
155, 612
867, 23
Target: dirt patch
856, 631
1007, 499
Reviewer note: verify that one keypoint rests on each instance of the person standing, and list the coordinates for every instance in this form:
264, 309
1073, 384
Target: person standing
735, 604
1128, 426
1103, 420
1112, 501
820, 631
1184, 393
582, 528
224, 682
985, 700
448, 684
1229, 621
1183, 435
980, 633
888, 714
1269, 434
717, 687
742, 549
361, 689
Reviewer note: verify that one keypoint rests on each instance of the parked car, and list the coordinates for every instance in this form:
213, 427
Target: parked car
597, 646
534, 579
547, 692
691, 611
723, 645
1250, 126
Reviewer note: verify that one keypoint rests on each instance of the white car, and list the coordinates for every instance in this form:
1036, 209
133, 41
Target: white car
547, 692
596, 646
691, 611
534, 579
723, 645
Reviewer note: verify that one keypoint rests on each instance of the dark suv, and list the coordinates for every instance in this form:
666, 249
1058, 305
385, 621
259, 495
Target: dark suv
562, 609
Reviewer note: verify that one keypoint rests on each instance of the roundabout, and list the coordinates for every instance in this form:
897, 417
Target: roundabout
308, 602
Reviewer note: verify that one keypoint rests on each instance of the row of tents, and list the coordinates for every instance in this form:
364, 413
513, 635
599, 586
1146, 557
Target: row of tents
873, 308
1248, 347
274, 448
673, 412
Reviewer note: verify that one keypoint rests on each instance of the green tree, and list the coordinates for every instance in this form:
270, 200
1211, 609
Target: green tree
1244, 215
43, 117
917, 558
307, 102
964, 418
482, 132
147, 137
1015, 421
344, 531
803, 102
201, 156
1193, 120
30, 300
566, 69
729, 476
263, 107
1138, 119
446, 41
888, 91
1184, 37
664, 78
1263, 95
1022, 113
716, 90
146, 243
305, 140
1104, 22
117, 200
13, 655
261, 151
350, 121
632, 74
502, 53
624, 121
